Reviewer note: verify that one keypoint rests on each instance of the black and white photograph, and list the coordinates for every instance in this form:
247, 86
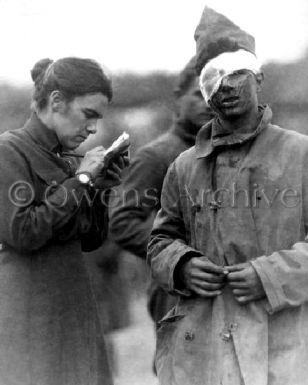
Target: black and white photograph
154, 192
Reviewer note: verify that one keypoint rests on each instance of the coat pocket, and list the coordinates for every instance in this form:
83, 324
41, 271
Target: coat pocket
50, 176
166, 339
168, 319
46, 181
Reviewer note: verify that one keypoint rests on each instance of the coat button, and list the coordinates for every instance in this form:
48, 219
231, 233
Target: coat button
189, 336
225, 336
215, 205
233, 327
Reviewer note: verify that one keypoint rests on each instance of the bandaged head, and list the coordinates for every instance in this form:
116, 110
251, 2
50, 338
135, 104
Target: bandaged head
222, 49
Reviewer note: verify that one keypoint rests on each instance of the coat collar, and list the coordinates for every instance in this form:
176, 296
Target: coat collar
212, 135
41, 134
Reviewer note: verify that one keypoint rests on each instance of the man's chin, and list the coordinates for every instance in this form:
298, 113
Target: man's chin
230, 113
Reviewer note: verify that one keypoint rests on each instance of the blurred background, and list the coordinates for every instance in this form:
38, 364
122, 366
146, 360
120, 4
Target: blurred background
143, 45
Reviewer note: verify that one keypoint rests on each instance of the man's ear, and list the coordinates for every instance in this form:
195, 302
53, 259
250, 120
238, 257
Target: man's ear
57, 101
259, 79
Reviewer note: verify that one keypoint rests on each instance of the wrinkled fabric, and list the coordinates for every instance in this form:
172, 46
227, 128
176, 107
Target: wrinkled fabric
49, 328
236, 200
138, 198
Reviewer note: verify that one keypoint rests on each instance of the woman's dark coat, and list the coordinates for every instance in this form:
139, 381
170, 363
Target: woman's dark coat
48, 319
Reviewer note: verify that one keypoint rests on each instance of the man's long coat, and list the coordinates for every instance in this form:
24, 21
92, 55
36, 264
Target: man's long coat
236, 198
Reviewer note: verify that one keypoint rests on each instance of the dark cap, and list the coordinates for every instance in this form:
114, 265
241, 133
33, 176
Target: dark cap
216, 34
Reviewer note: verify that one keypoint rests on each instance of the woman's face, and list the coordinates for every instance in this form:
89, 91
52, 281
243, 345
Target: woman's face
75, 120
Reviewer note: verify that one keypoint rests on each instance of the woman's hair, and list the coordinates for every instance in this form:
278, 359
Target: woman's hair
71, 76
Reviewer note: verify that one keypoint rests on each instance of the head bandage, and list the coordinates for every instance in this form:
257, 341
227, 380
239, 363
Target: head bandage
223, 65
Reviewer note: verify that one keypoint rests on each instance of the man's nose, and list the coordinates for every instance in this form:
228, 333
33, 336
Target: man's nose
227, 84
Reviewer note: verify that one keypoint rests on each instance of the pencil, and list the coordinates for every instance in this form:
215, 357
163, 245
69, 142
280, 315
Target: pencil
73, 154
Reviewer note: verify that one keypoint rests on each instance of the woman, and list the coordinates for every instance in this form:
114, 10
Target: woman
52, 209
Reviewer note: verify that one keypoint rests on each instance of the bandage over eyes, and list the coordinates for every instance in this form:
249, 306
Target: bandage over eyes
223, 65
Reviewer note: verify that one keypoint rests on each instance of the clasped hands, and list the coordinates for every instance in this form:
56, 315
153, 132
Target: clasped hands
207, 279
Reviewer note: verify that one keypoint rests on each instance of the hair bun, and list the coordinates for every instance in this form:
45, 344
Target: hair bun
39, 69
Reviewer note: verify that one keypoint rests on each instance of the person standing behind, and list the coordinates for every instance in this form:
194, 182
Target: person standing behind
231, 235
132, 219
53, 207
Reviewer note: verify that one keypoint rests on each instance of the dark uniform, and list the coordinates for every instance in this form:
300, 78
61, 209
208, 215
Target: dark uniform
131, 222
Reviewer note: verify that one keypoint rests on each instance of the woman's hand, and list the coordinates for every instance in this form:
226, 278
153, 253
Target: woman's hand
113, 175
93, 162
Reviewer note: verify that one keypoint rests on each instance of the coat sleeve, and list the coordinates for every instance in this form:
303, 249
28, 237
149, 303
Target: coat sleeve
168, 247
284, 273
138, 201
26, 225
96, 218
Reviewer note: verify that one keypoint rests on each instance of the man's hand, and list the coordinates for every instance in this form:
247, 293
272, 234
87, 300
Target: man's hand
203, 277
245, 283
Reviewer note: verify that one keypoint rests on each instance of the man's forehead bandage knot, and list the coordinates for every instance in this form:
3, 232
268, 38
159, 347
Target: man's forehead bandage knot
223, 65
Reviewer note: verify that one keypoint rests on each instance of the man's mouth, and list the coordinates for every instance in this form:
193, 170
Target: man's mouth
229, 101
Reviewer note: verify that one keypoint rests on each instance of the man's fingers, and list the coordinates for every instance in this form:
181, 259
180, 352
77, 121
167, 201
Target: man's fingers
213, 269
206, 265
205, 293
238, 267
236, 276
238, 284
243, 300
203, 276
241, 292
206, 285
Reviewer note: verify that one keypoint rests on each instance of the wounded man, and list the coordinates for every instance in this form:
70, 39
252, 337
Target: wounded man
230, 236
